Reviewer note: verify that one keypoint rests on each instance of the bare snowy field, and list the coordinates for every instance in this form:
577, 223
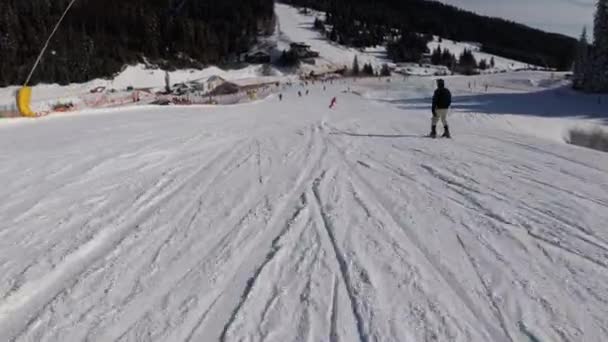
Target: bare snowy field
287, 221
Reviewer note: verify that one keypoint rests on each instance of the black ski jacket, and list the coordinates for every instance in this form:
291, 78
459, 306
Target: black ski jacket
442, 99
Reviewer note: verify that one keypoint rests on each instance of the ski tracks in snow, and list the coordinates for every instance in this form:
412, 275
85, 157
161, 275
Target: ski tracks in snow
308, 227
23, 303
488, 209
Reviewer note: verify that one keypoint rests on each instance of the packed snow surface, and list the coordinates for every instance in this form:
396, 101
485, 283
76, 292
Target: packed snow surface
288, 221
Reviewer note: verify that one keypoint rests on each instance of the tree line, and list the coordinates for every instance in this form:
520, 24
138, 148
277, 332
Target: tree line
368, 70
591, 65
405, 24
465, 63
98, 37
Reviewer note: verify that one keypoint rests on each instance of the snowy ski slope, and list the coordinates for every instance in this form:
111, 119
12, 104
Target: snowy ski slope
288, 221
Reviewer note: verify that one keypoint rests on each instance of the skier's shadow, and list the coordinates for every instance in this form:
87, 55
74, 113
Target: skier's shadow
366, 135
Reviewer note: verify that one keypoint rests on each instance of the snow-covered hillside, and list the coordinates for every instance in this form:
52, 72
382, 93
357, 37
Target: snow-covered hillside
456, 48
298, 27
284, 220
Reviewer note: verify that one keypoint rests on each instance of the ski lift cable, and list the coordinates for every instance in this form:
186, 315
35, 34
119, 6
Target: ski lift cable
173, 11
46, 44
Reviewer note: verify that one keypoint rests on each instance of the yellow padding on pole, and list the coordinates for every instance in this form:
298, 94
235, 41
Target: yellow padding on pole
24, 95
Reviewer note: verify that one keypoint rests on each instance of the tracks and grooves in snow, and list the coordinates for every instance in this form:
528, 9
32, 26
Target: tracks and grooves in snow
276, 226
488, 291
150, 201
274, 248
509, 221
313, 188
294, 233
534, 213
190, 267
390, 217
578, 232
19, 309
333, 317
343, 268
564, 248
172, 278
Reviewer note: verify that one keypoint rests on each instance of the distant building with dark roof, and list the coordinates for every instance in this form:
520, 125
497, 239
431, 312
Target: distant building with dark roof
258, 57
303, 51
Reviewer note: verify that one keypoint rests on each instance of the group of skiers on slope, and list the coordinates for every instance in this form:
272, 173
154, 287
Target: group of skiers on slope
442, 100
332, 103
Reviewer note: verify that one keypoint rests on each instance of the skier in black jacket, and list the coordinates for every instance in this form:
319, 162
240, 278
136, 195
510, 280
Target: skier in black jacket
442, 100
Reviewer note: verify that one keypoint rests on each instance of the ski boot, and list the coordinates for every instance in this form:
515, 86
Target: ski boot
446, 132
433, 133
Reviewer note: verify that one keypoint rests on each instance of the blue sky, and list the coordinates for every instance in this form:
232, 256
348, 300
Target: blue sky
563, 16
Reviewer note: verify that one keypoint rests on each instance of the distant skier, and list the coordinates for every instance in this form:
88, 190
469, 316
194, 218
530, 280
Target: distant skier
333, 103
442, 100
167, 82
280, 97
307, 92
299, 93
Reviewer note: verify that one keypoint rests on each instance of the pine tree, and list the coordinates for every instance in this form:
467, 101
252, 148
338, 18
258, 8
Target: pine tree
385, 71
319, 26
599, 71
483, 64
467, 59
436, 56
368, 69
467, 63
581, 62
356, 69
333, 35
448, 59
